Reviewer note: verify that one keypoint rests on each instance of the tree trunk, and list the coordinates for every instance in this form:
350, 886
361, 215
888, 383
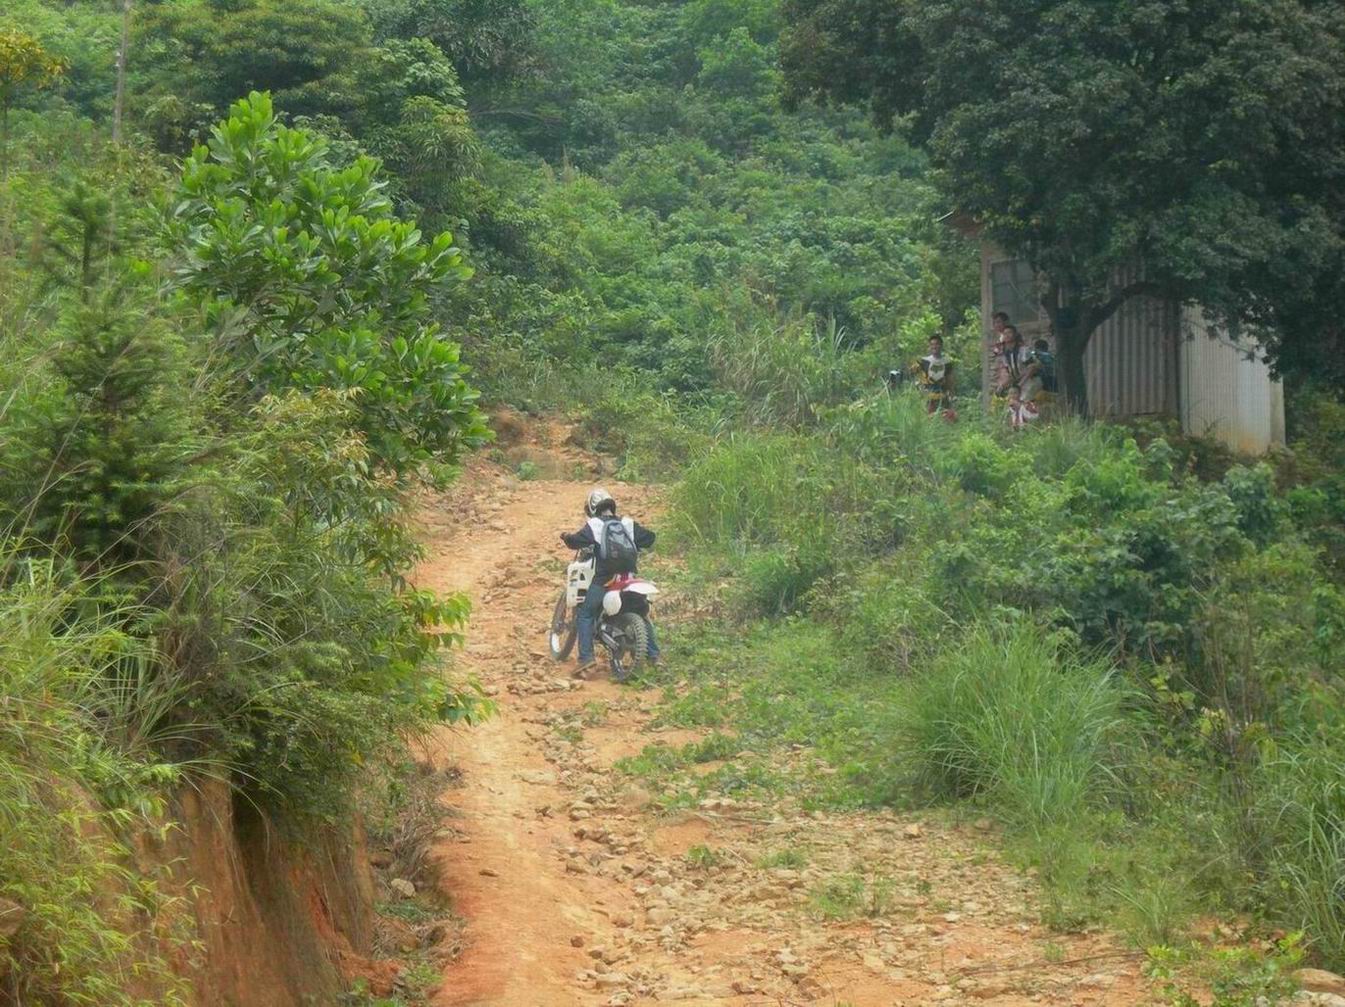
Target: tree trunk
1071, 344
1074, 325
118, 106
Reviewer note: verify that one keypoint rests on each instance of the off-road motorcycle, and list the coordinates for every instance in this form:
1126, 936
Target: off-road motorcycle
623, 627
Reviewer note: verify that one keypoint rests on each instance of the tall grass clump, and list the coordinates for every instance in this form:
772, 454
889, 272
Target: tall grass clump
783, 370
81, 927
1010, 719
752, 490
1057, 447
1296, 840
894, 429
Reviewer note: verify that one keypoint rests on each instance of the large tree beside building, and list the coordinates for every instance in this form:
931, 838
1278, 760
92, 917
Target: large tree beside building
1200, 140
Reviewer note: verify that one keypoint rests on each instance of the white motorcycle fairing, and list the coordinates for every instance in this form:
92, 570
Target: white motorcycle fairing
611, 601
578, 579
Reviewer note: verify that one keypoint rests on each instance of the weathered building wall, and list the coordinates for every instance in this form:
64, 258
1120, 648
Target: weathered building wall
1227, 392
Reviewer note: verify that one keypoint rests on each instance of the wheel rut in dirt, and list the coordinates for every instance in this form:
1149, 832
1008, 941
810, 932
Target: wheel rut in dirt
575, 890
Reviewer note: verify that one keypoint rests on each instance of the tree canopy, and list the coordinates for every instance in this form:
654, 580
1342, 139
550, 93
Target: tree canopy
1201, 140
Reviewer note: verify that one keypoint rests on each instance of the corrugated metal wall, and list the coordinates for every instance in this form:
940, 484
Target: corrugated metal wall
1131, 361
1227, 390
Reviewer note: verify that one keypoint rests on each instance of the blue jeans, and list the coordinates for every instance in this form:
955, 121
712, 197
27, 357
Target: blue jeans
587, 615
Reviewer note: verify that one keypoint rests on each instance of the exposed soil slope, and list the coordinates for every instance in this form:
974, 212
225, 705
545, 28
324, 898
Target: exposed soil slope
575, 892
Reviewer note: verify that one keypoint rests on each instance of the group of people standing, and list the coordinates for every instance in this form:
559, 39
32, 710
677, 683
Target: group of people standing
1024, 376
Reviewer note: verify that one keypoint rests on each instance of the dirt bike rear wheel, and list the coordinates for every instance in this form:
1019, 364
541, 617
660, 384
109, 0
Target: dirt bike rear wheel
634, 638
564, 629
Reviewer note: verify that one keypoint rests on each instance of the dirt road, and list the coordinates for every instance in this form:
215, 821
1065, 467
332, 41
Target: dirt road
575, 891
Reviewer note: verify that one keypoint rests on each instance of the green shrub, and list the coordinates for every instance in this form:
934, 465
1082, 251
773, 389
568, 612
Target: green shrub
649, 435
1009, 719
264, 227
889, 613
1259, 510
777, 579
1317, 467
979, 465
891, 429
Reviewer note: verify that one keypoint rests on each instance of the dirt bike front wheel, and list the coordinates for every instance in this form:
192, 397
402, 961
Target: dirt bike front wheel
564, 629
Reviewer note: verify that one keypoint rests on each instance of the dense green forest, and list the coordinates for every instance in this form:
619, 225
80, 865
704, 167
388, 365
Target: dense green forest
264, 264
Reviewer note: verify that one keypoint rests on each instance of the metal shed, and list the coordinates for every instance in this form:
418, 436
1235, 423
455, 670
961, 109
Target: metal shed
1152, 358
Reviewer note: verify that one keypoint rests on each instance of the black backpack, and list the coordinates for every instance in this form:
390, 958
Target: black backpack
617, 553
1048, 378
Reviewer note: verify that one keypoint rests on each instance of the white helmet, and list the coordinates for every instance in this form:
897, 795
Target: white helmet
597, 500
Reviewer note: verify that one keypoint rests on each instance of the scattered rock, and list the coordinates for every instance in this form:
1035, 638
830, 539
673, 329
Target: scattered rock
1319, 999
610, 980
1320, 981
811, 988
576, 941
1098, 981
634, 798
983, 825
487, 872
685, 993
912, 831
537, 777
403, 888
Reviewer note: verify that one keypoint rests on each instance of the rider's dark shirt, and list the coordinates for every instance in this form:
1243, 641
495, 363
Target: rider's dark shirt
583, 538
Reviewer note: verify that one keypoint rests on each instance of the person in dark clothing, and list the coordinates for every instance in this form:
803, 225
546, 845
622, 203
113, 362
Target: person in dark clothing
598, 510
1039, 372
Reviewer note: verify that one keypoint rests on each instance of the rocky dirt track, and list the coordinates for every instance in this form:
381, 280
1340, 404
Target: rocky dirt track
574, 890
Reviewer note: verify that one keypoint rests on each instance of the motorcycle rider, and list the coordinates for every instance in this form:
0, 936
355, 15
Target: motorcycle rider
598, 509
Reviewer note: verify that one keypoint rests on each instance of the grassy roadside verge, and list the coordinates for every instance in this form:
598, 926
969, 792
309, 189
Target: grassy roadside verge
1068, 631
